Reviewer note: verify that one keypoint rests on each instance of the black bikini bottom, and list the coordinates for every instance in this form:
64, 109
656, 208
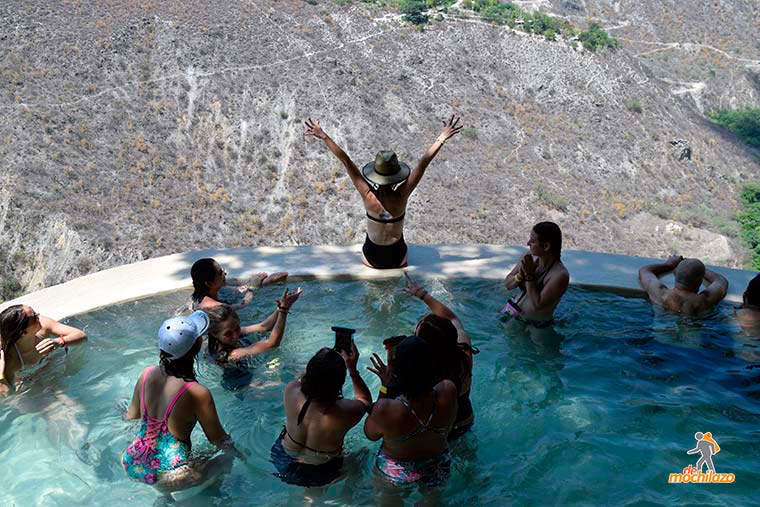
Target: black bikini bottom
294, 472
385, 256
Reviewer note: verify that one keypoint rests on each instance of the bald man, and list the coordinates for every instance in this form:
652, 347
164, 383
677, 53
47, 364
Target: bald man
684, 297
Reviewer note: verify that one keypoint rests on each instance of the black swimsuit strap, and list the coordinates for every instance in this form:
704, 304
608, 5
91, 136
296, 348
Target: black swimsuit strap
302, 413
388, 221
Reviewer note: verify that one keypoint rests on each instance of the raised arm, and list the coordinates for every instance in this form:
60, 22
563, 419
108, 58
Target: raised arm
717, 288
315, 129
437, 308
649, 277
278, 330
362, 396
450, 129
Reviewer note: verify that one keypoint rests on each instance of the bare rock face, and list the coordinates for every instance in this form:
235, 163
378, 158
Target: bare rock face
681, 239
681, 149
139, 129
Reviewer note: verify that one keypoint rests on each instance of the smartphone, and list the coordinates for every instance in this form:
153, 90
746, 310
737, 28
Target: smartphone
390, 347
343, 336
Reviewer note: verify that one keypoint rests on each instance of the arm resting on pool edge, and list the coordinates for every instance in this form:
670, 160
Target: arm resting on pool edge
67, 335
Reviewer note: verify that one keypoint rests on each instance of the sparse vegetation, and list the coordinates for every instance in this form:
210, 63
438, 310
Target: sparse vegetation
749, 219
634, 106
744, 123
540, 23
551, 200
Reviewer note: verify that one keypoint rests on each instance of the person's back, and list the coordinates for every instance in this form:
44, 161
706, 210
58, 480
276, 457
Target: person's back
309, 450
414, 426
170, 402
684, 297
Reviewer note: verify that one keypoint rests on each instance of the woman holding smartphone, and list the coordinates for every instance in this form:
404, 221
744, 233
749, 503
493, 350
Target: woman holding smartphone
309, 450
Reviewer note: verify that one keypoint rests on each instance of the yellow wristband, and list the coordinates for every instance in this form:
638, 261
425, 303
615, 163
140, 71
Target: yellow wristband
517, 279
383, 389
442, 141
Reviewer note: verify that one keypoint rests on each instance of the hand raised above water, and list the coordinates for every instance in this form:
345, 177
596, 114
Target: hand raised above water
412, 287
288, 298
314, 129
352, 358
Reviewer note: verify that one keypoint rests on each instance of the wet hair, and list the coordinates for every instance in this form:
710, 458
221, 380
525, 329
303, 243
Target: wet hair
217, 316
13, 323
549, 232
752, 294
183, 367
690, 273
204, 271
449, 356
324, 379
415, 373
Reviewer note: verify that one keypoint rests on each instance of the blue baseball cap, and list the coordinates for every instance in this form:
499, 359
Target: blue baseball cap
177, 335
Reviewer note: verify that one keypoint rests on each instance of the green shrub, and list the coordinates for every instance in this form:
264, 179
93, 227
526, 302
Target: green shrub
595, 38
749, 219
414, 11
744, 123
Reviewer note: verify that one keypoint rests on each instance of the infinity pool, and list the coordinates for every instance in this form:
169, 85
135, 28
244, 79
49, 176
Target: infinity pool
598, 412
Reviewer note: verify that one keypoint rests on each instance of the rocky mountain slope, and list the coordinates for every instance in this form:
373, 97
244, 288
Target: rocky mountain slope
139, 128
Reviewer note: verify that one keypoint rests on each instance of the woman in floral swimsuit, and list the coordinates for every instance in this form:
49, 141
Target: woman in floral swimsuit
170, 402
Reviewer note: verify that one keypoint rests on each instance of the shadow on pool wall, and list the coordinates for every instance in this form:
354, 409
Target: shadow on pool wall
610, 272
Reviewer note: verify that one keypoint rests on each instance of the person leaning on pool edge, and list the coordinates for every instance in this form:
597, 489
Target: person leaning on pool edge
385, 186
684, 297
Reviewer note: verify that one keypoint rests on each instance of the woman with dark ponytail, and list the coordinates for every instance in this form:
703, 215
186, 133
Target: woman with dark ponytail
209, 278
452, 352
309, 451
25, 342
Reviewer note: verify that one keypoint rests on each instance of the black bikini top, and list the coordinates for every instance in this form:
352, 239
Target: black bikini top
389, 220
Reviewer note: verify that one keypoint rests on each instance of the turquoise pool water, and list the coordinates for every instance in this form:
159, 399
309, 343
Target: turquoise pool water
598, 413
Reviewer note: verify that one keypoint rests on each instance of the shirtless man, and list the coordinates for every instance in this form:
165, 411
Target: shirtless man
684, 297
540, 275
385, 186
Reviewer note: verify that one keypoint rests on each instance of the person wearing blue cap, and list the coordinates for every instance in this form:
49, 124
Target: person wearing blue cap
170, 402
385, 185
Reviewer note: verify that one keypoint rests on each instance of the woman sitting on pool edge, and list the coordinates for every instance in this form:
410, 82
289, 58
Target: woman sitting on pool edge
24, 342
541, 277
415, 425
385, 186
452, 352
225, 345
209, 278
309, 450
160, 455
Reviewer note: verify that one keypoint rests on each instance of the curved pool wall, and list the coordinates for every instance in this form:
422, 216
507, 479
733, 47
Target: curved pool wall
172, 272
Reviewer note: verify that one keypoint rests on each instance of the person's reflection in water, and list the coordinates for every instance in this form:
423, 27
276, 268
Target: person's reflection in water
538, 359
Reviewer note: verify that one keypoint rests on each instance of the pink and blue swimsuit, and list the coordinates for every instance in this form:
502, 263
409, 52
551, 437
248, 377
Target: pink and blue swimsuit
155, 450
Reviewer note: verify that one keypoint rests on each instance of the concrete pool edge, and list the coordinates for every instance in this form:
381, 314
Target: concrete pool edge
172, 272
